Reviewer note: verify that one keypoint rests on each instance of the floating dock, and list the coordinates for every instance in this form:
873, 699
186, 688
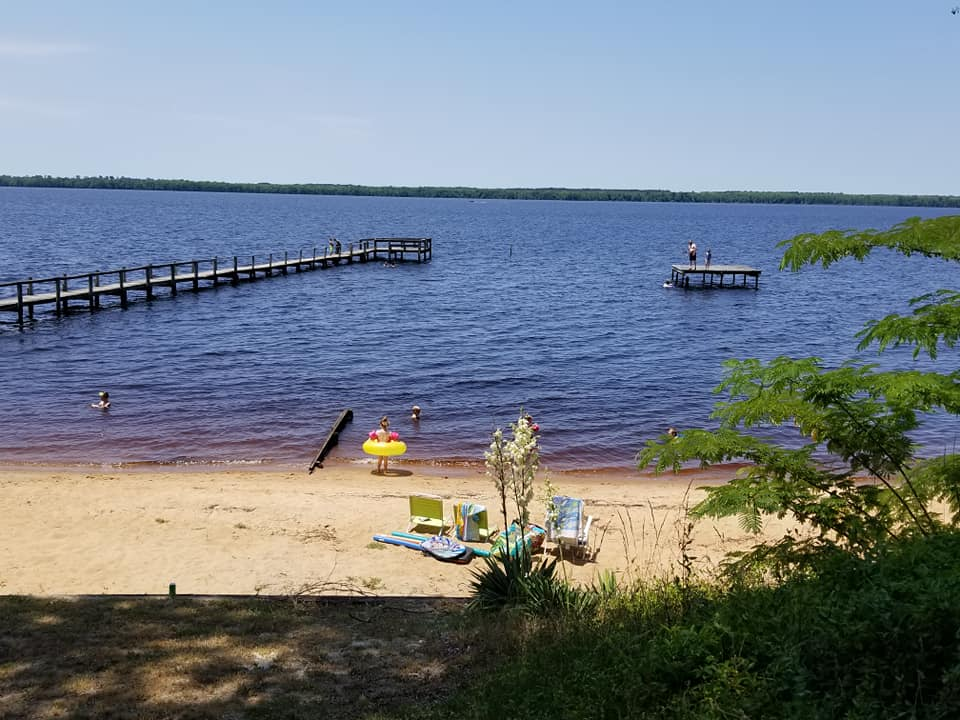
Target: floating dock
715, 276
87, 290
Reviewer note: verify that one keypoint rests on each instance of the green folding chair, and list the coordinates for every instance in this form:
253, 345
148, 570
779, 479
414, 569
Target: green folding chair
426, 512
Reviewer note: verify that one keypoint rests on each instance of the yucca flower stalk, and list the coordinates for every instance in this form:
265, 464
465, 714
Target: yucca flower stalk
512, 465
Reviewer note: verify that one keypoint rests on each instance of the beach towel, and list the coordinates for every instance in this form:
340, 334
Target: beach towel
567, 518
467, 521
532, 536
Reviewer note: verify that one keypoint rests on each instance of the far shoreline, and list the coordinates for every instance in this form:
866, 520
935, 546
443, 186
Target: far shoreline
726, 197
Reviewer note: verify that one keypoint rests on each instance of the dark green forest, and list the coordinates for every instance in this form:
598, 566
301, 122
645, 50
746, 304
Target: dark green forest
110, 182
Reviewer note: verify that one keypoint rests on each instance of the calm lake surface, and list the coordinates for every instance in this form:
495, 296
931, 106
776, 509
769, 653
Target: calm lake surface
557, 307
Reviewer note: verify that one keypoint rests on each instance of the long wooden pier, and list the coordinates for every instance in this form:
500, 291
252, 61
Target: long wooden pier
715, 275
87, 290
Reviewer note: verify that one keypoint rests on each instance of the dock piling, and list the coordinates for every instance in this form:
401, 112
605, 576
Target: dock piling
22, 296
715, 276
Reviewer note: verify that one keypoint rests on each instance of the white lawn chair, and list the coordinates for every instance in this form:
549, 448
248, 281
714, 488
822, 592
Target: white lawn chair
567, 526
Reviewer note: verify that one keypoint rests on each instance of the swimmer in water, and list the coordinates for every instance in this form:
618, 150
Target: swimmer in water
104, 403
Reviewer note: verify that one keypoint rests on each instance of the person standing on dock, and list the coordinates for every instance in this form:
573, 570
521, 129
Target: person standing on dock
709, 255
692, 252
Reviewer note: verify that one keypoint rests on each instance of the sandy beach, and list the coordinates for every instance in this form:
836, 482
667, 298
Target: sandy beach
277, 531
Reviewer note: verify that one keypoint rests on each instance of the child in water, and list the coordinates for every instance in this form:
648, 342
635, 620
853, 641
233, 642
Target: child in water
104, 403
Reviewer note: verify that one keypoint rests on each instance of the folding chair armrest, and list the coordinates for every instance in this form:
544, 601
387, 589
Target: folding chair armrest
585, 535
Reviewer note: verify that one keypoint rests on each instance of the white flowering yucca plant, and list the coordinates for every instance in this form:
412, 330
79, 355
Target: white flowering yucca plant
513, 464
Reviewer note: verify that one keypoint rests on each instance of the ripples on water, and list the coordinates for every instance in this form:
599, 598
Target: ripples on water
558, 307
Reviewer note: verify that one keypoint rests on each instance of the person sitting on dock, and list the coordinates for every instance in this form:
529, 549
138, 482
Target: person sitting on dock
692, 251
104, 403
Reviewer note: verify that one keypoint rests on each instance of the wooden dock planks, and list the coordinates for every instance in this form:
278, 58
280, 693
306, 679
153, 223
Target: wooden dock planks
23, 296
717, 275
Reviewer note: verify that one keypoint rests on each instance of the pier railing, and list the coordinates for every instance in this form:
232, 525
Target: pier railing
66, 292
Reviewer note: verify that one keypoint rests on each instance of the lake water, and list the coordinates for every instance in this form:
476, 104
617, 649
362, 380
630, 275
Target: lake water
557, 307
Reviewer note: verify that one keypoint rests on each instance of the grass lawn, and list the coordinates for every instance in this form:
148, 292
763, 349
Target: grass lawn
149, 657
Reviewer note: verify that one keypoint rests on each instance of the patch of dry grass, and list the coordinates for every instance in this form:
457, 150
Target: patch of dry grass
229, 658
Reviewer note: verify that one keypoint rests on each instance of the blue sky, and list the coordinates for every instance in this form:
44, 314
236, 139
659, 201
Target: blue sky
844, 96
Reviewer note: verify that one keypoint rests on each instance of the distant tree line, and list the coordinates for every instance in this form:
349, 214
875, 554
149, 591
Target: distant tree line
724, 196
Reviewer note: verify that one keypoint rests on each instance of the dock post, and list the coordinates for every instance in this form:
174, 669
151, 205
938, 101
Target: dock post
253, 267
96, 284
173, 279
90, 292
20, 303
216, 277
123, 289
313, 260
270, 265
57, 284
196, 277
285, 261
30, 292
149, 273
236, 275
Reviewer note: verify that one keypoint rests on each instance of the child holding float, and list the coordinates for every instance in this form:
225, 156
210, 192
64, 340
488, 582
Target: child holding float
383, 444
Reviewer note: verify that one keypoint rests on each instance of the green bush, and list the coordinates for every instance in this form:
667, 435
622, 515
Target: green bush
530, 585
849, 638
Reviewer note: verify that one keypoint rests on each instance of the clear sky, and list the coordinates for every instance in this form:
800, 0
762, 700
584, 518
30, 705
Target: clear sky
819, 95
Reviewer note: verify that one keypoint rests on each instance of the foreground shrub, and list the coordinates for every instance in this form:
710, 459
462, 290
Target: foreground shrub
528, 585
874, 638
